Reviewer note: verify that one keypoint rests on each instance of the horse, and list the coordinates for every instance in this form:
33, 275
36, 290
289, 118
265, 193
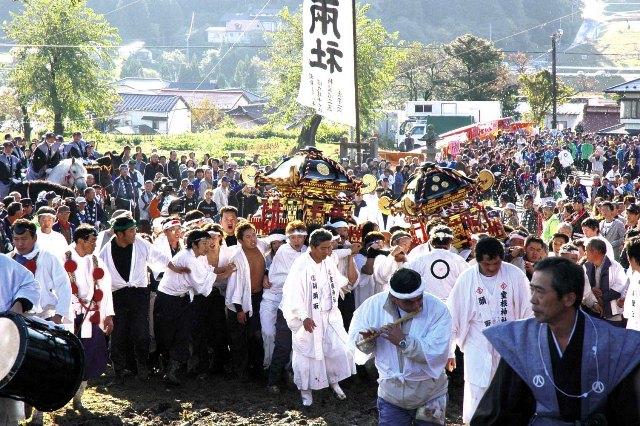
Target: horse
31, 189
69, 173
101, 171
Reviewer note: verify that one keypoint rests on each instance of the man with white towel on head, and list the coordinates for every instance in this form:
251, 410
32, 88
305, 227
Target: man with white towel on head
413, 329
321, 357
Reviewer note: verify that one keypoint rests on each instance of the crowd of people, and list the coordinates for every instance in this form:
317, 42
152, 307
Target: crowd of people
167, 264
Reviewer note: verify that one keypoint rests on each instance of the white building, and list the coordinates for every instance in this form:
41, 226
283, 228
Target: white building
629, 93
163, 113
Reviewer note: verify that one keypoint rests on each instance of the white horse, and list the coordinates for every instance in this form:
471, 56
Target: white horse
69, 173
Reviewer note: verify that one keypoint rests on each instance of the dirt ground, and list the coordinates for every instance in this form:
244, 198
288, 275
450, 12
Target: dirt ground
221, 400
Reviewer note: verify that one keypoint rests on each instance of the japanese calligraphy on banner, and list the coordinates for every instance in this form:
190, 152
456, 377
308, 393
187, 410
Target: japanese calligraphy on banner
327, 82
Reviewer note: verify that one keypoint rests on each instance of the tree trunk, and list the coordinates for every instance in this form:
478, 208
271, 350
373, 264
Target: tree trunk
307, 135
26, 124
58, 126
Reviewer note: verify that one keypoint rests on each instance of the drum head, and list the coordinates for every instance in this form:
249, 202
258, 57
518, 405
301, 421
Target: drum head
10, 344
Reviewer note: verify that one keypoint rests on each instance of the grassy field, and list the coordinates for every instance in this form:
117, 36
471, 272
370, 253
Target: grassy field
268, 143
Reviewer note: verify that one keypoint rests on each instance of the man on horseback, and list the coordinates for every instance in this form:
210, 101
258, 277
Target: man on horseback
77, 148
46, 156
9, 169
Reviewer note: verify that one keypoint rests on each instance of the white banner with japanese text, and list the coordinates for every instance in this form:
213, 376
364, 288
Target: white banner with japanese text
327, 82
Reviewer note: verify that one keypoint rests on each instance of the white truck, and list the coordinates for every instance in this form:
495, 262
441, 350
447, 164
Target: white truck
444, 116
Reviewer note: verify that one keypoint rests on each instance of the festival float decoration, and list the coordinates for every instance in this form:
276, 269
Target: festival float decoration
306, 186
444, 193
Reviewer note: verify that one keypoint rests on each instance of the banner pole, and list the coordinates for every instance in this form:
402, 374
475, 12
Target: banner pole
355, 80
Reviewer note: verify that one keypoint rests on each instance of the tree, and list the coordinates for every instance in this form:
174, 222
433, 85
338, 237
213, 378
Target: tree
476, 69
422, 72
377, 66
132, 67
172, 64
538, 88
205, 116
63, 60
519, 61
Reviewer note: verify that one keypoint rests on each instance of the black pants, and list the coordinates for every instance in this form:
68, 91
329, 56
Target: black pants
246, 340
281, 350
221, 354
347, 307
210, 332
173, 323
130, 326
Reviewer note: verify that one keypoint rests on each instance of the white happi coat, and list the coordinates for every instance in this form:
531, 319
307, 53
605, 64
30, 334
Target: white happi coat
475, 307
199, 281
440, 269
53, 242
298, 304
417, 376
632, 302
159, 255
279, 270
239, 287
84, 281
366, 284
383, 269
271, 297
138, 271
55, 288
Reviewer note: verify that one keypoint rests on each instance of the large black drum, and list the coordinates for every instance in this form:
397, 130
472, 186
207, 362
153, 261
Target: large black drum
40, 365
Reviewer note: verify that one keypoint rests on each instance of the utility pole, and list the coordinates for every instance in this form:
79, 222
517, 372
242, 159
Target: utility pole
554, 42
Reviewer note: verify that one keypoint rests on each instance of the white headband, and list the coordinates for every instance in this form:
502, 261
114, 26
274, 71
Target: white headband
297, 232
442, 235
47, 214
191, 222
415, 294
170, 224
341, 224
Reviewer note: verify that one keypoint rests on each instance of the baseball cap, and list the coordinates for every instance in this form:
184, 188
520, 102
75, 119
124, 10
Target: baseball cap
26, 202
549, 204
577, 199
510, 206
7, 143
80, 200
225, 179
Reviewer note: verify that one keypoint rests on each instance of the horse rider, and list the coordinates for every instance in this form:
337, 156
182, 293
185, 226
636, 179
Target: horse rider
46, 156
9, 169
77, 148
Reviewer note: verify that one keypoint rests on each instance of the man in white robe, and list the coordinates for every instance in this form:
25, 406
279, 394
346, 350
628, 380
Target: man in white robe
296, 232
490, 292
49, 239
385, 266
90, 329
55, 288
440, 268
321, 356
410, 356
